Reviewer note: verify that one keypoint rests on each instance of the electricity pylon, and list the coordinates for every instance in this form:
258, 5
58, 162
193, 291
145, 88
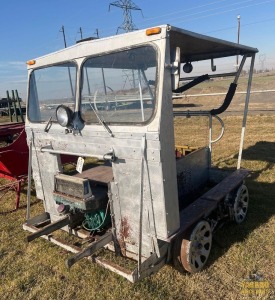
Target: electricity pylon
127, 6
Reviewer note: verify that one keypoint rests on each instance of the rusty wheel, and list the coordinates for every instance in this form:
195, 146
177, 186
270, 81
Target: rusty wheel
195, 250
241, 204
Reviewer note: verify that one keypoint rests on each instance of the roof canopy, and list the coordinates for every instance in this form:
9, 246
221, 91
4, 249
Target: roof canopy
196, 47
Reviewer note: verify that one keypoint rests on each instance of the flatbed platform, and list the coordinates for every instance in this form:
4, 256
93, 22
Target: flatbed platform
204, 205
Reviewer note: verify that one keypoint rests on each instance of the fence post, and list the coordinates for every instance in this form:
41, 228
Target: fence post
9, 107
19, 105
14, 105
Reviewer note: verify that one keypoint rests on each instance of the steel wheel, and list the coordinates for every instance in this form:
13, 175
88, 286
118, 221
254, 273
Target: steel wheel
195, 250
241, 204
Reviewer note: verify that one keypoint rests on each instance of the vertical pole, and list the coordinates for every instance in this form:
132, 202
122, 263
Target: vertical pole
80, 31
148, 86
210, 139
64, 37
104, 82
88, 82
143, 149
86, 71
9, 105
69, 71
18, 192
140, 95
238, 40
19, 105
29, 180
14, 105
246, 110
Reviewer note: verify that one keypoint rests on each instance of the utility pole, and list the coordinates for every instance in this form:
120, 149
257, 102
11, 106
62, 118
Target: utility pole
80, 31
64, 37
238, 39
69, 71
127, 6
262, 60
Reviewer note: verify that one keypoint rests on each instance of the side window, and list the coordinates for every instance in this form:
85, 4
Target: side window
120, 87
50, 87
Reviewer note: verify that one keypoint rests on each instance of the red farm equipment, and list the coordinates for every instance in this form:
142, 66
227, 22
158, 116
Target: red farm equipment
13, 158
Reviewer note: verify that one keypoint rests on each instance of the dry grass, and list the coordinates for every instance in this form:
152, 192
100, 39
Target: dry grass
37, 270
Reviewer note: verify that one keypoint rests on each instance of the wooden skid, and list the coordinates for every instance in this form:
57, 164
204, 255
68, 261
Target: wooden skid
30, 226
148, 266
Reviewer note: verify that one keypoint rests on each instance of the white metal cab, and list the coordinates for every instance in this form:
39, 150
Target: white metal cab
110, 99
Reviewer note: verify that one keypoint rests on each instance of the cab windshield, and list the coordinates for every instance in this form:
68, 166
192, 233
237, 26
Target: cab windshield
50, 87
119, 87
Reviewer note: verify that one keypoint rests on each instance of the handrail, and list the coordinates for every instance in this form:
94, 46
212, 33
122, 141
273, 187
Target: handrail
107, 156
222, 129
194, 82
210, 76
227, 100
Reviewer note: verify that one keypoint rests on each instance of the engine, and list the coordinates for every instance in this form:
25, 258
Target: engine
74, 195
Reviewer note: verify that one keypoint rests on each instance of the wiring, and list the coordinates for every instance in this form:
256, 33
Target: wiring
98, 227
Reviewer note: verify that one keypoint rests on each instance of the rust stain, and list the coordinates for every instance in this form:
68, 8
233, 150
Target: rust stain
124, 228
124, 233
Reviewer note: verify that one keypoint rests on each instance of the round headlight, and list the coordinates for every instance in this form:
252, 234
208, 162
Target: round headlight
64, 115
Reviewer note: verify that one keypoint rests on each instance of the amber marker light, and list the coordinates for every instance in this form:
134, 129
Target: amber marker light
31, 62
152, 31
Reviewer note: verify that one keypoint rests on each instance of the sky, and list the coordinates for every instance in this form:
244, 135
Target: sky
32, 28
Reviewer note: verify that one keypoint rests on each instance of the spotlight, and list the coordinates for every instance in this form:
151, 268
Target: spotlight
187, 68
64, 115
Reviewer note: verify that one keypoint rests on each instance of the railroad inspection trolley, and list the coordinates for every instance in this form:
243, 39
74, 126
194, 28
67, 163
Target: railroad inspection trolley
110, 99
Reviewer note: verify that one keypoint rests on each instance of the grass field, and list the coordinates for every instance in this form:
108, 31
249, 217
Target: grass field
37, 270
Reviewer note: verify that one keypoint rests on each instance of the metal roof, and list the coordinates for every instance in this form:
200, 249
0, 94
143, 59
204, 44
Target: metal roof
196, 47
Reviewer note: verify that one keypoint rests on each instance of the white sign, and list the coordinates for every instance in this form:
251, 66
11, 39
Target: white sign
80, 163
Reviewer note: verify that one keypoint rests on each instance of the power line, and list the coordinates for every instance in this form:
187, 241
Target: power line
222, 12
243, 25
185, 18
188, 9
107, 31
